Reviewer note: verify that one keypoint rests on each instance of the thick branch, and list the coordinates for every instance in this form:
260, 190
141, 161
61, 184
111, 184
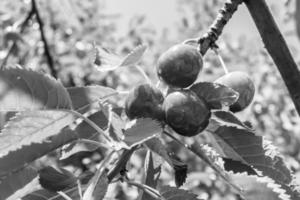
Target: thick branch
43, 37
215, 30
277, 47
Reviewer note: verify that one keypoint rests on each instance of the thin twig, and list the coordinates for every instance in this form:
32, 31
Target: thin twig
14, 44
64, 195
139, 68
43, 37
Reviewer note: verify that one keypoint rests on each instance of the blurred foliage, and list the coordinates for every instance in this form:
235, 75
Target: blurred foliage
72, 26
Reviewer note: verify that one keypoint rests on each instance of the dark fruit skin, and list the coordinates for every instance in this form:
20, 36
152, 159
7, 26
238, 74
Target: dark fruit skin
180, 65
186, 113
242, 83
144, 101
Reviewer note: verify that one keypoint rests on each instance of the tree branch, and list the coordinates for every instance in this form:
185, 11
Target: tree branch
14, 45
225, 13
277, 47
43, 37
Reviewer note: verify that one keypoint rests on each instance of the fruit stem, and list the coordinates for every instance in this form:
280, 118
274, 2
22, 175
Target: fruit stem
79, 189
64, 195
93, 142
143, 73
221, 60
91, 123
191, 41
151, 191
158, 84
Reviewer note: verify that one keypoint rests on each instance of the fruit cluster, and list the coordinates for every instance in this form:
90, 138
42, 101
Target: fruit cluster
183, 108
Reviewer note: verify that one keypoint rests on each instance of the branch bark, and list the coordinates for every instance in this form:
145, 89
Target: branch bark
43, 37
277, 47
215, 30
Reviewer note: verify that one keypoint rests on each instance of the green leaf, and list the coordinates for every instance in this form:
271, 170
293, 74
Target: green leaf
105, 60
29, 128
108, 61
171, 193
152, 173
156, 146
97, 187
226, 118
255, 188
216, 95
19, 184
54, 180
244, 146
115, 122
134, 56
180, 168
23, 89
32, 127
83, 97
26, 154
141, 130
43, 194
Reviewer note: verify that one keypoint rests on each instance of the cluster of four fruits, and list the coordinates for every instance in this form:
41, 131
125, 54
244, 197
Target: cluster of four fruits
182, 109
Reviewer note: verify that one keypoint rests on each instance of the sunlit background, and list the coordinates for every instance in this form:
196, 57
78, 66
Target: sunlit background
72, 26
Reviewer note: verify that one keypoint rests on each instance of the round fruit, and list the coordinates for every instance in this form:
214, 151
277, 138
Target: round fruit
144, 101
180, 65
186, 113
242, 83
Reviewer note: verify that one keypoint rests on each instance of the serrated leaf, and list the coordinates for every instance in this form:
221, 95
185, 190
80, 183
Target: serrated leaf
156, 146
76, 151
19, 184
115, 122
105, 60
21, 157
226, 118
22, 90
244, 146
43, 194
83, 97
237, 167
142, 130
134, 56
97, 187
152, 173
171, 193
255, 188
47, 195
180, 168
54, 180
216, 95
32, 127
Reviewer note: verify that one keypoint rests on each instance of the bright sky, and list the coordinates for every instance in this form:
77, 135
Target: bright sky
162, 13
